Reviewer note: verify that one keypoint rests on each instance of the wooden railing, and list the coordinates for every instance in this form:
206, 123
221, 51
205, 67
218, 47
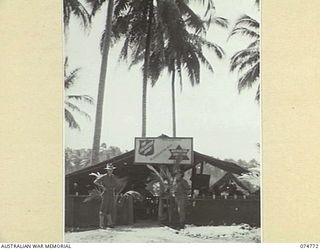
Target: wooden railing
218, 211
200, 211
79, 214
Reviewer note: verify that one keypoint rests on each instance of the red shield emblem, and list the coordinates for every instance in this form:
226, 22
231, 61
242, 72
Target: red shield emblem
146, 147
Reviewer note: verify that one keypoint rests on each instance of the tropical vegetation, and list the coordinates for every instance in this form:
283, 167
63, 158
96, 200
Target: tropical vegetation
70, 105
77, 9
76, 159
149, 28
247, 61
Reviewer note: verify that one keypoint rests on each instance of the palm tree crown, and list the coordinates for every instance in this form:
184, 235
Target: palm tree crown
177, 40
247, 61
69, 80
76, 8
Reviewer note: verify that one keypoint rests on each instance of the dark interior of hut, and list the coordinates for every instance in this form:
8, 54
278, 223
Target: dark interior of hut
214, 187
137, 178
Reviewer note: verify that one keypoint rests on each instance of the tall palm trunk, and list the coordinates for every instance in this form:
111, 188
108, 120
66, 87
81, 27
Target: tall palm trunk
102, 82
173, 103
146, 69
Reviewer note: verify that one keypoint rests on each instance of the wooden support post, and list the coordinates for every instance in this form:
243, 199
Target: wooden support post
130, 208
201, 168
160, 209
70, 200
170, 209
193, 174
114, 215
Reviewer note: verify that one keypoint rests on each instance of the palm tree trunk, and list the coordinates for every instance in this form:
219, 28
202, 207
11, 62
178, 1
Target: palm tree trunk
173, 104
102, 82
145, 70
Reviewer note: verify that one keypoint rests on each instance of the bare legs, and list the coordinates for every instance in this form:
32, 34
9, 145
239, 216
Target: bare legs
101, 220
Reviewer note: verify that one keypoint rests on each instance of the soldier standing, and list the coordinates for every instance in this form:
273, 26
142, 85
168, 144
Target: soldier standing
108, 183
181, 190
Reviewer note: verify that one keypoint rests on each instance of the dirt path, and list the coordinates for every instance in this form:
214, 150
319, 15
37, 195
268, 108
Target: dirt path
157, 234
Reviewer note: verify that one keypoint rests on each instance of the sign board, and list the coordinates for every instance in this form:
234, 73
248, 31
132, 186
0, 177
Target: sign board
157, 150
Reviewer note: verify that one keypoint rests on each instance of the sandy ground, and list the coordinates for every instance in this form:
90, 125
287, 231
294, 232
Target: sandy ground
162, 234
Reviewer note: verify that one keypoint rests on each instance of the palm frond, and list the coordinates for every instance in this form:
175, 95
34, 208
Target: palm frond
75, 7
125, 49
250, 61
191, 19
172, 23
97, 175
94, 194
134, 194
209, 5
70, 120
84, 98
74, 107
247, 21
241, 56
257, 98
70, 78
156, 173
205, 61
192, 66
120, 6
220, 21
249, 77
255, 44
244, 32
95, 5
201, 42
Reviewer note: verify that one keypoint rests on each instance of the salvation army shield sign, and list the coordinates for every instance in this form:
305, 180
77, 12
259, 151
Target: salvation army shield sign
146, 147
165, 150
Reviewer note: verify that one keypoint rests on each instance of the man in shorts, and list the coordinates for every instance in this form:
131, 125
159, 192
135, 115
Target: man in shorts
108, 183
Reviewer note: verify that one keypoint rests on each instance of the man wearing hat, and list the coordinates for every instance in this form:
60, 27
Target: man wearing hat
180, 191
108, 183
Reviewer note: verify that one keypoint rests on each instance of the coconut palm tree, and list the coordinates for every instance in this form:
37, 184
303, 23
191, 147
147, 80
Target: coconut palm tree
95, 6
189, 56
155, 31
174, 46
76, 8
135, 20
247, 61
69, 80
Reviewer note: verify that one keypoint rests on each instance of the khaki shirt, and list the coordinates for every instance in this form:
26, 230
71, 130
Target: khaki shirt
180, 188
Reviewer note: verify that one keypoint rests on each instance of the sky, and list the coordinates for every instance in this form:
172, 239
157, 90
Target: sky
223, 123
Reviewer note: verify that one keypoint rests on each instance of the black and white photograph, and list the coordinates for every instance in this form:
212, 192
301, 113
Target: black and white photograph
162, 121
